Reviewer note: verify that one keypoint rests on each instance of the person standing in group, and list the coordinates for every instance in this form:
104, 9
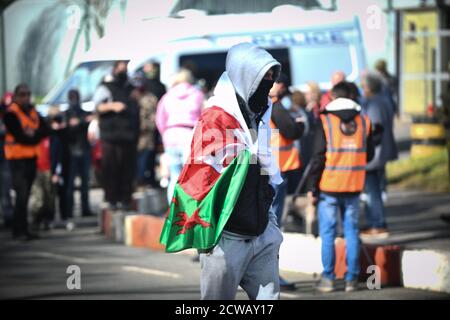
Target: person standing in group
177, 114
118, 115
390, 84
285, 130
326, 98
312, 95
378, 109
298, 109
25, 128
147, 103
153, 85
341, 149
6, 207
77, 122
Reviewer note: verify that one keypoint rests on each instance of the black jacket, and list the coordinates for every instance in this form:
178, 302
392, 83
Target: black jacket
286, 125
318, 158
77, 135
120, 127
14, 127
251, 211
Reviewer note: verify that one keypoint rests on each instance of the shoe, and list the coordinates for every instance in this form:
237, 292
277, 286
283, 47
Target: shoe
286, 285
70, 226
375, 233
351, 286
325, 285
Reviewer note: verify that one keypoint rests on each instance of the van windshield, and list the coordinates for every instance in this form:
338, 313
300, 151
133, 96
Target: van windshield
209, 66
85, 78
318, 63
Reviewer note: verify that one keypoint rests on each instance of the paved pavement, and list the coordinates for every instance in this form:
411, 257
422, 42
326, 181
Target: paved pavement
38, 269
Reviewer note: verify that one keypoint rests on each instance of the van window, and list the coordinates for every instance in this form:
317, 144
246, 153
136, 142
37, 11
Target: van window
85, 78
318, 63
210, 66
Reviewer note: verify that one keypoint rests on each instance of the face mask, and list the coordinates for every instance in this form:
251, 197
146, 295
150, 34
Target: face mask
26, 107
150, 74
121, 77
258, 101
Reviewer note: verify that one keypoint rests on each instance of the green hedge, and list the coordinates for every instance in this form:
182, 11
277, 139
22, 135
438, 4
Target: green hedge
428, 174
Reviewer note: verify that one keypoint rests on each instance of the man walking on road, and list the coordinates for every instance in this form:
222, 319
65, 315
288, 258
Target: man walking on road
222, 199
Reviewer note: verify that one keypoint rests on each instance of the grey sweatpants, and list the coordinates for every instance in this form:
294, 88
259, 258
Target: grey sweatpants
250, 263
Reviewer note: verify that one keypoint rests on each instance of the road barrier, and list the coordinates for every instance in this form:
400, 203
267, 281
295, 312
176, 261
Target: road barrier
428, 136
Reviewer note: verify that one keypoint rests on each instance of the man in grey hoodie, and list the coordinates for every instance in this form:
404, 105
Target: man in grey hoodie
247, 252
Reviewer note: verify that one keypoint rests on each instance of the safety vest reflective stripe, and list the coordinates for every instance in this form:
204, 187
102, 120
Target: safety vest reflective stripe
346, 158
284, 150
15, 150
343, 168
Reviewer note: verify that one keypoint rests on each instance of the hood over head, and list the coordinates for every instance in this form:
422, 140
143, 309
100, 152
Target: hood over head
345, 109
246, 65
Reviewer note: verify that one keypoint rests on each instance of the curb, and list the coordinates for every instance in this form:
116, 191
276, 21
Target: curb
426, 270
296, 247
143, 231
415, 269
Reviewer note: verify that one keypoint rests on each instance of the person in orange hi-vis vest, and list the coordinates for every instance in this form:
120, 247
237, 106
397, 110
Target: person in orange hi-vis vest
25, 128
287, 130
342, 146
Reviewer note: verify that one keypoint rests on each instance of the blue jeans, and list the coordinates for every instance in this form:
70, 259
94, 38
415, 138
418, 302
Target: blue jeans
143, 166
278, 200
176, 160
374, 207
79, 166
328, 209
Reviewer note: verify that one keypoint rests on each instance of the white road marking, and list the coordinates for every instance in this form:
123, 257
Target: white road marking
153, 272
289, 295
62, 257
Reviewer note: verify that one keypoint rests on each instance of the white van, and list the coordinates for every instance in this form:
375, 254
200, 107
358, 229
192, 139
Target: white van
310, 45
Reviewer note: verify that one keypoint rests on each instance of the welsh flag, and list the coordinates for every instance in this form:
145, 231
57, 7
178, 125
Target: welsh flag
209, 184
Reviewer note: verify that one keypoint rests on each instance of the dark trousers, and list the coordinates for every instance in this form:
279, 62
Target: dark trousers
79, 166
118, 171
23, 173
5, 198
146, 167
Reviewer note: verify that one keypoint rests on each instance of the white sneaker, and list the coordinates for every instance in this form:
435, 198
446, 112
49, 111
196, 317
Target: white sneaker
70, 226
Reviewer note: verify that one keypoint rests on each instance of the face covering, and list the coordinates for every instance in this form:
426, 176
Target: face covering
26, 107
151, 74
258, 101
121, 77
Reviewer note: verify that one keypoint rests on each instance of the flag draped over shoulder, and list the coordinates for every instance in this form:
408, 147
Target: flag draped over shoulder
213, 176
209, 185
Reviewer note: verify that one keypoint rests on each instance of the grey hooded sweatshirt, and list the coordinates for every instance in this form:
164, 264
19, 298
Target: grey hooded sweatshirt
246, 65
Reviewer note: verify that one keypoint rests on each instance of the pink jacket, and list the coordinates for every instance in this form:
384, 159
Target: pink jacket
177, 113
